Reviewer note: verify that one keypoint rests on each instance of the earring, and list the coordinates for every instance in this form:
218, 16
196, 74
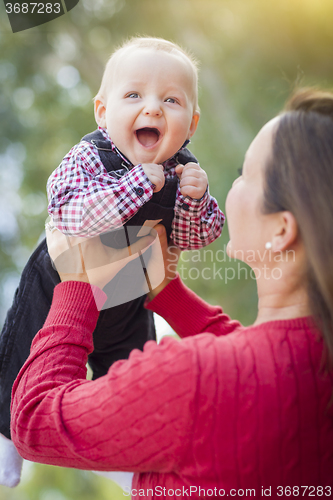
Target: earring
268, 245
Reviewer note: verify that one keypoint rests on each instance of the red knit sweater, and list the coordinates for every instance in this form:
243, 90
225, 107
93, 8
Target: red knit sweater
227, 411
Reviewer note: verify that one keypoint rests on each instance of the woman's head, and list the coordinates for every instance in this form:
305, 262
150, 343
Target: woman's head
298, 178
285, 197
249, 228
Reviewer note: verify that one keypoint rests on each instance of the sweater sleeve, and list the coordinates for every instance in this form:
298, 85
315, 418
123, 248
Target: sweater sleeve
187, 313
196, 223
130, 419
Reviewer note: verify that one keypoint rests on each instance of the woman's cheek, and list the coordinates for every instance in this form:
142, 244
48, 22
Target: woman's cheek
227, 201
231, 206
236, 215
229, 249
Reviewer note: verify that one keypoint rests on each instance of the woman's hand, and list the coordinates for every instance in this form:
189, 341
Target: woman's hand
87, 259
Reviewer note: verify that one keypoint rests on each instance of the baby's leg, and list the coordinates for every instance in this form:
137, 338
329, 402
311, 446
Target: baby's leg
26, 316
125, 326
119, 330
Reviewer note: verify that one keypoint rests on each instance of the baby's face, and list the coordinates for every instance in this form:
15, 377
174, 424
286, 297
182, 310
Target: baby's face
149, 107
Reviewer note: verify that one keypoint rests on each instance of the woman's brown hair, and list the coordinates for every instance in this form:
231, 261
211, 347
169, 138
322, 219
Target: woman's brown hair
299, 178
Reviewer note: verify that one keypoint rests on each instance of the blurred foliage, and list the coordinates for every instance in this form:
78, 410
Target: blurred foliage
252, 55
44, 482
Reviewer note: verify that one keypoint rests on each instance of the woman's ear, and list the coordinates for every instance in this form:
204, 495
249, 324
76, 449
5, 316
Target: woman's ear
287, 232
194, 123
100, 110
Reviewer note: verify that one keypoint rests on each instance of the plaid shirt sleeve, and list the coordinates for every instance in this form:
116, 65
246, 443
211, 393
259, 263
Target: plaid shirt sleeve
196, 222
84, 200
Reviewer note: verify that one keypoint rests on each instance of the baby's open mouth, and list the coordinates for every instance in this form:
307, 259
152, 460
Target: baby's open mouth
148, 136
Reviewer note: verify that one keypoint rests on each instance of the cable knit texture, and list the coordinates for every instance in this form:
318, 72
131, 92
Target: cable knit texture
233, 407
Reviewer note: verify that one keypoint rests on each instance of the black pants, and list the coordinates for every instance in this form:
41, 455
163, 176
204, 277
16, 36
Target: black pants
119, 329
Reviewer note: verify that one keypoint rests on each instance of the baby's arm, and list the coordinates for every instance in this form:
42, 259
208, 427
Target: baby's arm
85, 200
197, 222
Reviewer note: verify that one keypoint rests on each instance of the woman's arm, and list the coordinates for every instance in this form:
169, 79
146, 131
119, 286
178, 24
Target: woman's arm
60, 418
187, 313
92, 262
129, 419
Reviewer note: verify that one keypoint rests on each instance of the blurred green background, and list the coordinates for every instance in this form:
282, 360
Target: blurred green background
252, 54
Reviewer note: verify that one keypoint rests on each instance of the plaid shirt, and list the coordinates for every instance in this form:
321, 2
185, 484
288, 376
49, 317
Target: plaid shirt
85, 200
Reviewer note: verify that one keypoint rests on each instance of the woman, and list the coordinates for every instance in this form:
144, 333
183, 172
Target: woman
235, 411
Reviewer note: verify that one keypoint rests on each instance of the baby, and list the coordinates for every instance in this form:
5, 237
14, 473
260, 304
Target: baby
133, 172
146, 110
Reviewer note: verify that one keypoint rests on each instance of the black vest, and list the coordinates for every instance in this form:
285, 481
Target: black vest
160, 206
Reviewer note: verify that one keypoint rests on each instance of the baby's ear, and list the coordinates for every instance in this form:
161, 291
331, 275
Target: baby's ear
100, 112
194, 123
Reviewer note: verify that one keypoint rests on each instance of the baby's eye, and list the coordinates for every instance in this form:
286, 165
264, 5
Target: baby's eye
240, 171
172, 100
133, 95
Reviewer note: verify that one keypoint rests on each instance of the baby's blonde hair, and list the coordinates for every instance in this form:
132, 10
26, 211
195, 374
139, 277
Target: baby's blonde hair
156, 44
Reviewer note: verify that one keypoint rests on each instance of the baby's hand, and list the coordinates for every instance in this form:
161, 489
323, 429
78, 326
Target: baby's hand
193, 180
155, 174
